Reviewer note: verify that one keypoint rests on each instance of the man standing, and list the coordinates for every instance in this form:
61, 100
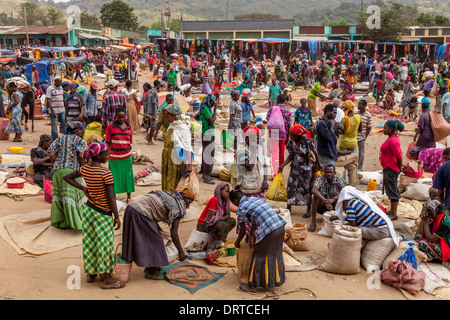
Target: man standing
239, 68
55, 106
366, 124
111, 101
326, 136
207, 116
274, 92
34, 76
172, 77
90, 101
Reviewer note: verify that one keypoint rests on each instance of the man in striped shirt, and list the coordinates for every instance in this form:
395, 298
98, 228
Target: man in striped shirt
111, 101
359, 214
56, 108
366, 128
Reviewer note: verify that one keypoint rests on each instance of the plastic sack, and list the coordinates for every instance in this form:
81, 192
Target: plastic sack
277, 190
410, 146
48, 190
276, 120
409, 256
197, 241
227, 139
123, 268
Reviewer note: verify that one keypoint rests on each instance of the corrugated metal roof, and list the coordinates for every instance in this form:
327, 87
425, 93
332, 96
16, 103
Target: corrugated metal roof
56, 29
236, 25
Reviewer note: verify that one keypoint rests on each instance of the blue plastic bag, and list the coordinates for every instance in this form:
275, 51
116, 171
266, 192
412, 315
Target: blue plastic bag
409, 256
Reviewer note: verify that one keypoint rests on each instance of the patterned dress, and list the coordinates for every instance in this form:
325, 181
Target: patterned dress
298, 185
15, 125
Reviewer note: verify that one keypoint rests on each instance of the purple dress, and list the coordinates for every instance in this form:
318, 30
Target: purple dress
426, 137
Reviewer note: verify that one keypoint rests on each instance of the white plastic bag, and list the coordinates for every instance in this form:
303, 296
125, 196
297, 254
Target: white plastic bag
198, 239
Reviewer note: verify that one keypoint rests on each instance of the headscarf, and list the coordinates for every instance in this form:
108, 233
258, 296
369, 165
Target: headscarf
173, 109
220, 205
408, 79
72, 127
251, 131
415, 150
95, 149
396, 125
349, 106
43, 138
186, 192
435, 207
299, 130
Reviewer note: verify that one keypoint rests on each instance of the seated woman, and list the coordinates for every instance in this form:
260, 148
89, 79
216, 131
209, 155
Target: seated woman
142, 241
360, 211
433, 234
216, 218
431, 159
42, 163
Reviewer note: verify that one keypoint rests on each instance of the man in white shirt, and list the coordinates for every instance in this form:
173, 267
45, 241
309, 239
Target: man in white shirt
55, 107
403, 72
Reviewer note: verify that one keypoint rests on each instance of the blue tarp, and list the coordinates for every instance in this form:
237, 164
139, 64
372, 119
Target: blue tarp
42, 68
58, 48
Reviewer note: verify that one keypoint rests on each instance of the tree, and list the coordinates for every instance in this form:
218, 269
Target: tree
257, 16
35, 13
426, 20
118, 14
340, 22
392, 25
54, 16
441, 20
7, 21
87, 20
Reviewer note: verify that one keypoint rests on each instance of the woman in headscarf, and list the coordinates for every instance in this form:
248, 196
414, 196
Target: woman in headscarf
303, 155
67, 155
74, 104
391, 161
118, 72
42, 163
431, 159
347, 91
99, 215
443, 89
216, 217
433, 234
206, 89
142, 239
15, 109
177, 153
132, 105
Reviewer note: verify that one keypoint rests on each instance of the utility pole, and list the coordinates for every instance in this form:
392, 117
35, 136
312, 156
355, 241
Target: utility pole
26, 24
362, 20
162, 22
168, 13
227, 11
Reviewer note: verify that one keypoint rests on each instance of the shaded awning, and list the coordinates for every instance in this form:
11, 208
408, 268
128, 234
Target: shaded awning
113, 38
82, 35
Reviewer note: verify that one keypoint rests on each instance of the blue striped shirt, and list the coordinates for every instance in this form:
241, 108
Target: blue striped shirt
364, 216
260, 213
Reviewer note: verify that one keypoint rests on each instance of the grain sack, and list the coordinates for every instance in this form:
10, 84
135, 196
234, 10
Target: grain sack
402, 247
367, 175
344, 253
327, 225
375, 251
417, 191
297, 237
197, 241
243, 259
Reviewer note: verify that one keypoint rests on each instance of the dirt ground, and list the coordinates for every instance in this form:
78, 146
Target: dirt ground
44, 277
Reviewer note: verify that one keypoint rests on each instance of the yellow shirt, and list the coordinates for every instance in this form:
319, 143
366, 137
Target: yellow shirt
349, 139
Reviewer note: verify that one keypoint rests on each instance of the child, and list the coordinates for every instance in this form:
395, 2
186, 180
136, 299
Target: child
379, 89
412, 108
303, 115
389, 100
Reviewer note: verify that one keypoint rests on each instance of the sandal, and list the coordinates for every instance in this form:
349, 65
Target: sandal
150, 276
246, 291
17, 140
90, 278
115, 285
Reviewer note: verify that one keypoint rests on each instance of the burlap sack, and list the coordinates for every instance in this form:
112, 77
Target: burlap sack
344, 253
244, 259
297, 237
375, 251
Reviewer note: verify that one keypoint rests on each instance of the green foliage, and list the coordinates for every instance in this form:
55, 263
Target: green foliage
5, 20
88, 20
118, 14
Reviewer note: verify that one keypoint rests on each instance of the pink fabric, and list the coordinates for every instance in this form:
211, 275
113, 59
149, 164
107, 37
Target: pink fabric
401, 275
